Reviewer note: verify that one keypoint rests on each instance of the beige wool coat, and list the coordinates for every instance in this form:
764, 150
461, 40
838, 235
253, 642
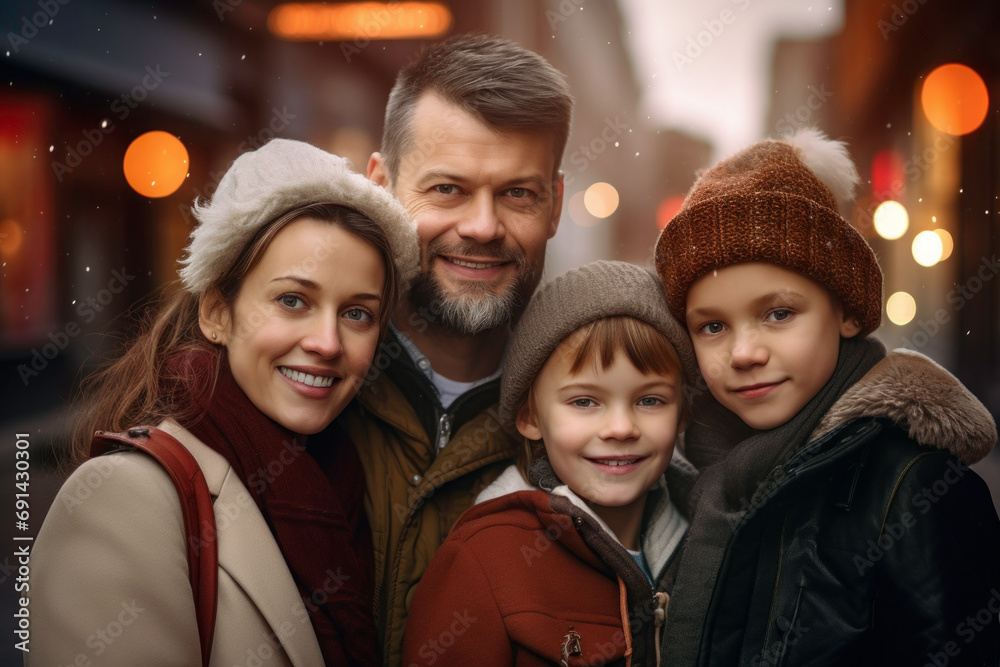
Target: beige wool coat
109, 575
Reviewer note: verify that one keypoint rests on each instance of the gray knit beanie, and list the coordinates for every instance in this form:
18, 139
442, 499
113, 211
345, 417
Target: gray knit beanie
283, 174
580, 296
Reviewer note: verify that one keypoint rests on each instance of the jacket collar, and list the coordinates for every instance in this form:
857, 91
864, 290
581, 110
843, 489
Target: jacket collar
409, 386
250, 555
662, 534
922, 397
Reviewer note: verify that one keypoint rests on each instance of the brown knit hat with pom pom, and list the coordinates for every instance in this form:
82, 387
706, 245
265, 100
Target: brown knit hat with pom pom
775, 202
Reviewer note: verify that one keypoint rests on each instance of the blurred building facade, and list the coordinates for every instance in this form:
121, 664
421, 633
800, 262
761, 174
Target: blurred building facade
80, 247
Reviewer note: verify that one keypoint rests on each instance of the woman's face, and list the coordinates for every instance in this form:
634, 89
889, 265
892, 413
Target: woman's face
305, 325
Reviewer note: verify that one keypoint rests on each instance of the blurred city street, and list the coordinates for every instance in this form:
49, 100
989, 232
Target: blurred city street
662, 90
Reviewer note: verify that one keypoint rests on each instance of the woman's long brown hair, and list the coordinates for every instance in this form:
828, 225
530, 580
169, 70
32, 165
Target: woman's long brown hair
130, 390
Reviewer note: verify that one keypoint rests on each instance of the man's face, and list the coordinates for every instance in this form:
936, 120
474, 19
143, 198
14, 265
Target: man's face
485, 204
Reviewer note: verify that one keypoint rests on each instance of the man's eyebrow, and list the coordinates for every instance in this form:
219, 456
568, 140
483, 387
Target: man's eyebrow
440, 175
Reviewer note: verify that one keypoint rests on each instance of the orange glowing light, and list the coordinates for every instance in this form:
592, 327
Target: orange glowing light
954, 99
11, 237
667, 209
156, 163
358, 21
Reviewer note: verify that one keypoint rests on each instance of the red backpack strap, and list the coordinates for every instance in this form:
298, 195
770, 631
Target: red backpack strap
196, 507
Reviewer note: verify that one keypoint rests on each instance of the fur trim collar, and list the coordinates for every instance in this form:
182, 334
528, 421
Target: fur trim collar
922, 397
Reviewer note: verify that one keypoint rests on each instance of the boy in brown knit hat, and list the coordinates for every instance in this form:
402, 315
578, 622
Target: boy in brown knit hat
836, 520
563, 559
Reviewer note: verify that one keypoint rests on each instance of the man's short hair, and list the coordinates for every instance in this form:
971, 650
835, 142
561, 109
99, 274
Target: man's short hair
501, 83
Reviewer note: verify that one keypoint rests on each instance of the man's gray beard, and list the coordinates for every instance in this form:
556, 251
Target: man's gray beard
469, 314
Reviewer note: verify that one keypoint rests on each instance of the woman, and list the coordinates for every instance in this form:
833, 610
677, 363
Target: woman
288, 283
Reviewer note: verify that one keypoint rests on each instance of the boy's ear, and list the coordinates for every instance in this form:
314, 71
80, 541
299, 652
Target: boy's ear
213, 317
849, 326
527, 423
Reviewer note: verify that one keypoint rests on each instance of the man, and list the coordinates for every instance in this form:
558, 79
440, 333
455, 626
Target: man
474, 134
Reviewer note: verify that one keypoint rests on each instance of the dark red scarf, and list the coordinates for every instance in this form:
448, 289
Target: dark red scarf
312, 501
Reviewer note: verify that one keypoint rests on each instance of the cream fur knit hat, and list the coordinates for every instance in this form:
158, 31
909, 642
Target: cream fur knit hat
282, 175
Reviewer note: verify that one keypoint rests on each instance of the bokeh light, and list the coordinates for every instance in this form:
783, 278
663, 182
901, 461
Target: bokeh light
601, 200
358, 22
927, 248
947, 243
578, 211
954, 99
11, 237
891, 220
900, 308
667, 209
156, 163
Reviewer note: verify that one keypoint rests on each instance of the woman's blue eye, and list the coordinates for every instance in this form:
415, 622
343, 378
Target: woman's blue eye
291, 301
649, 401
358, 315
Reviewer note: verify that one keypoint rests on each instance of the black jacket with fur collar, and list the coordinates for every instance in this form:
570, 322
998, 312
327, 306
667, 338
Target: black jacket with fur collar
874, 545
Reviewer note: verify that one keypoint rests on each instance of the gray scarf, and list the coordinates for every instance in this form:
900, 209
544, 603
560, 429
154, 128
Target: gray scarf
739, 461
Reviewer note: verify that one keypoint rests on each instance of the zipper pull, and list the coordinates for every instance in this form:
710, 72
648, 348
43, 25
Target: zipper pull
570, 646
444, 431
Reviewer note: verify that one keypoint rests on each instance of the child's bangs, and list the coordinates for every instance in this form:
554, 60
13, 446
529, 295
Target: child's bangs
645, 347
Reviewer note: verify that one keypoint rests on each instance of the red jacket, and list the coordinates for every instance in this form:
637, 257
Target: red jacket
522, 576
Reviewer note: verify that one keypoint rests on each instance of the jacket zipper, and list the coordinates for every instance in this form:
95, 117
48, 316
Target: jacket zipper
443, 432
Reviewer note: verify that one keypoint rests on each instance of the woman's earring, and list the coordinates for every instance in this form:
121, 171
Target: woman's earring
213, 335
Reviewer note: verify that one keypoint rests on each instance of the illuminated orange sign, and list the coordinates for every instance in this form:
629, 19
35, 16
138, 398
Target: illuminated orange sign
343, 21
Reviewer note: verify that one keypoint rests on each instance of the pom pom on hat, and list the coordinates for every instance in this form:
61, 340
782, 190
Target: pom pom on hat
775, 202
829, 161
262, 185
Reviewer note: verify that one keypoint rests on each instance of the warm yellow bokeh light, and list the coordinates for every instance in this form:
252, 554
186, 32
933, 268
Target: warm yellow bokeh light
954, 99
359, 22
11, 237
156, 163
947, 243
927, 248
900, 308
891, 220
601, 200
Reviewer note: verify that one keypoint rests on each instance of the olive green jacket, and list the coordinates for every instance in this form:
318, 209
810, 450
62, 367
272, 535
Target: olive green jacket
416, 491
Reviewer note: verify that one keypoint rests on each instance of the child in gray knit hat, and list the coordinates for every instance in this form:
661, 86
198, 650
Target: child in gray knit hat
567, 553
